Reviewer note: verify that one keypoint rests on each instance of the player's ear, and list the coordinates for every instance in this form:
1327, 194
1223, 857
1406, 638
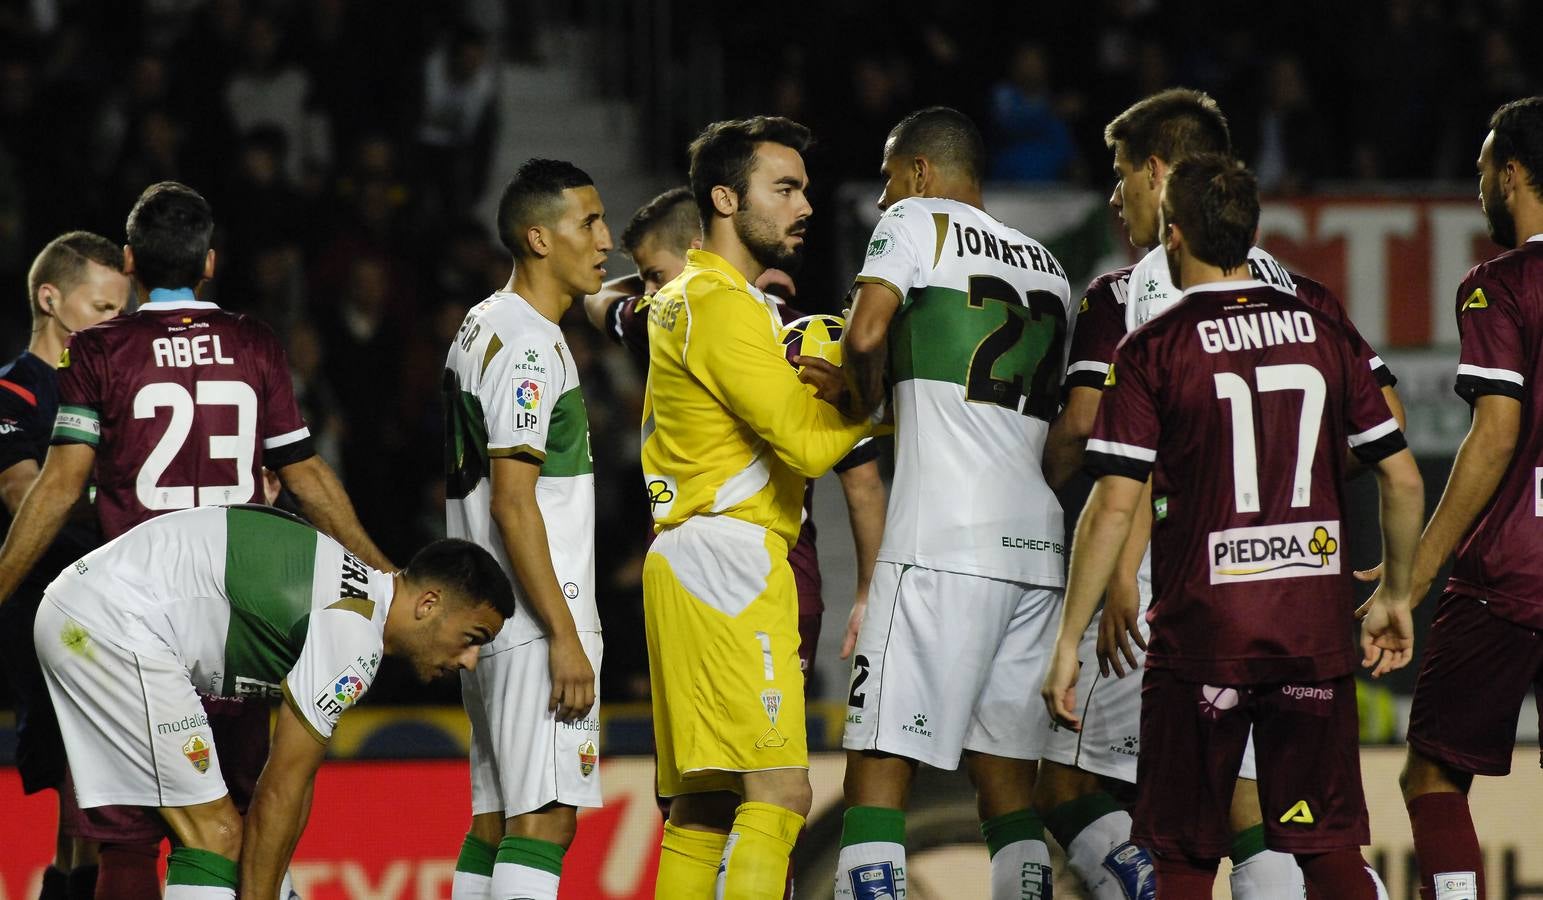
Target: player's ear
725, 201
696, 243
1155, 171
128, 260
48, 297
209, 265
536, 239
921, 174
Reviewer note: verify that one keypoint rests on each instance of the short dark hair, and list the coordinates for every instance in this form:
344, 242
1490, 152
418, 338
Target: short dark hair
465, 570
1170, 125
169, 230
1518, 128
531, 198
945, 136
1214, 200
724, 153
672, 215
62, 262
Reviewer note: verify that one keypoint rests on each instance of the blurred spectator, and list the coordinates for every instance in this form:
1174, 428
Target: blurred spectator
1286, 139
457, 119
318, 401
1031, 141
268, 90
1396, 76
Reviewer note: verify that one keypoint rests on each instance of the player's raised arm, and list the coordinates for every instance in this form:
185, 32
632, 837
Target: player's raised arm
325, 503
44, 511
280, 804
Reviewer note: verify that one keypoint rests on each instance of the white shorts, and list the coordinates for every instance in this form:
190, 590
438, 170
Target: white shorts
948, 662
135, 733
522, 758
1110, 707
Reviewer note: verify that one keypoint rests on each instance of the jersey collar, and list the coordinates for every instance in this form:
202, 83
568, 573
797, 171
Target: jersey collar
703, 259
1537, 237
175, 298
1220, 287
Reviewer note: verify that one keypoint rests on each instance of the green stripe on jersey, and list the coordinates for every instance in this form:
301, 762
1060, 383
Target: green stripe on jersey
567, 440
466, 438
1002, 348
270, 567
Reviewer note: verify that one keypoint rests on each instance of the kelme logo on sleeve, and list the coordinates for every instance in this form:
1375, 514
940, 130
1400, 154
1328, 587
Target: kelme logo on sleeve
1274, 551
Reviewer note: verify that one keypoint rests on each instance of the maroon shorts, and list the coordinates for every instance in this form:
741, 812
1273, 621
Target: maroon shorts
1307, 746
1475, 675
240, 730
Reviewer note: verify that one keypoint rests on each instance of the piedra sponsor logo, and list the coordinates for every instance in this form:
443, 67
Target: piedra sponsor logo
1270, 552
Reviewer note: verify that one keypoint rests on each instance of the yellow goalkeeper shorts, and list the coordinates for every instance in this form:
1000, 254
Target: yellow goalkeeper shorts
721, 612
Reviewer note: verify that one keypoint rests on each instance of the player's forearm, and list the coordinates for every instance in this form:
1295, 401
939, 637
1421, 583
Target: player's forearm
867, 367
272, 828
1096, 547
523, 531
864, 491
39, 517
1068, 436
810, 435
1476, 472
15, 481
1127, 568
325, 503
596, 306
1402, 499
1395, 406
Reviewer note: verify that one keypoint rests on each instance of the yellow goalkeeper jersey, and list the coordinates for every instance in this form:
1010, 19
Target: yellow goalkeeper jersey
728, 429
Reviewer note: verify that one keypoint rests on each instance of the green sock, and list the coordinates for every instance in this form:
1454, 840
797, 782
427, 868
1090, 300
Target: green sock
872, 824
532, 853
1023, 825
1067, 820
476, 856
1248, 842
204, 868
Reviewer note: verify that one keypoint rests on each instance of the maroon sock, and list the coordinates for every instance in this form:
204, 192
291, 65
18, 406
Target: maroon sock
1340, 875
1181, 878
1444, 840
128, 872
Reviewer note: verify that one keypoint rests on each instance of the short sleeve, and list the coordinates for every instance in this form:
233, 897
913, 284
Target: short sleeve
286, 439
1100, 325
1319, 297
336, 666
1492, 357
626, 322
517, 392
1373, 433
1125, 432
82, 378
22, 432
904, 246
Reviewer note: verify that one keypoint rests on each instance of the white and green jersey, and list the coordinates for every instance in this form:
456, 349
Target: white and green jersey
512, 390
255, 602
976, 352
1152, 292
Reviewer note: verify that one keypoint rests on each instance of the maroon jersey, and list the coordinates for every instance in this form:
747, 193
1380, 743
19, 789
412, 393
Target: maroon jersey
1239, 401
184, 403
1500, 321
1100, 326
1319, 297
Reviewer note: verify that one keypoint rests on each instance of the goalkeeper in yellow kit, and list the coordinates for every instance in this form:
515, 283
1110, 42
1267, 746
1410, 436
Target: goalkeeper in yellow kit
730, 434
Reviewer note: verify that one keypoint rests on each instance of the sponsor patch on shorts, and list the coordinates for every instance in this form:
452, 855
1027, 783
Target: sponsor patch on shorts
1268, 552
875, 881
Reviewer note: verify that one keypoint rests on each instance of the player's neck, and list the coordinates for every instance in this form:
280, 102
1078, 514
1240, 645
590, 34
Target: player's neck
47, 344
1529, 222
733, 251
1194, 273
541, 291
957, 190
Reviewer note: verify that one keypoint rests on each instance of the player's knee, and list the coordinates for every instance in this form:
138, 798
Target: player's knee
787, 788
1422, 775
1058, 785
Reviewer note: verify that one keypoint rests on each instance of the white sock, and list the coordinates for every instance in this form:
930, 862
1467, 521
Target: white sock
1110, 866
872, 871
471, 886
1021, 871
1267, 875
198, 892
524, 882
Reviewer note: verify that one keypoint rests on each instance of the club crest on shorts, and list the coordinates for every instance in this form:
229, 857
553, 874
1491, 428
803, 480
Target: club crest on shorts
197, 751
1214, 701
589, 757
771, 701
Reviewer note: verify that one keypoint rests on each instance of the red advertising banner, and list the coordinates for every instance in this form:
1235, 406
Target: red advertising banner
1395, 261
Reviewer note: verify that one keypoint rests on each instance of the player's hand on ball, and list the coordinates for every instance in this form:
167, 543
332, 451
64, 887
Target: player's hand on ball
829, 383
1387, 633
854, 625
1119, 627
1060, 690
573, 679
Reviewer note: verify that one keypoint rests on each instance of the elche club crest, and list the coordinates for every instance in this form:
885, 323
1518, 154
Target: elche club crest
196, 749
589, 757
